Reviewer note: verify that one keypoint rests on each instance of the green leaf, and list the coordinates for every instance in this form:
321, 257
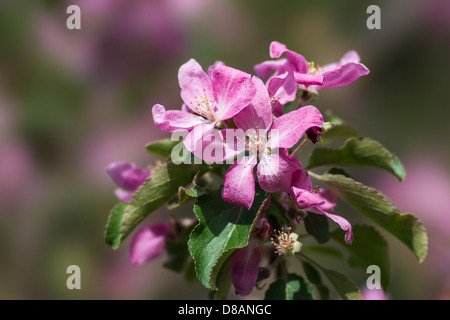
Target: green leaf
295, 287
161, 186
185, 195
368, 248
162, 148
223, 282
358, 152
222, 228
311, 273
112, 234
339, 132
370, 202
346, 288
317, 226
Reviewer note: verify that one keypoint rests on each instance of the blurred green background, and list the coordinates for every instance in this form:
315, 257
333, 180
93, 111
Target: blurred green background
73, 101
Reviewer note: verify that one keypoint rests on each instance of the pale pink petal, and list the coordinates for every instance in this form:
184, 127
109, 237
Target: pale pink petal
123, 195
244, 267
239, 184
173, 120
196, 86
198, 138
289, 128
258, 115
233, 91
149, 242
351, 56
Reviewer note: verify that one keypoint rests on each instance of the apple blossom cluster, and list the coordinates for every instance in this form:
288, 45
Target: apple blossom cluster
251, 192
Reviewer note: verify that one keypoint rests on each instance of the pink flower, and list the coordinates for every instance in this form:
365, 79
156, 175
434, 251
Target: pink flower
272, 135
244, 266
319, 202
209, 99
347, 70
149, 242
127, 176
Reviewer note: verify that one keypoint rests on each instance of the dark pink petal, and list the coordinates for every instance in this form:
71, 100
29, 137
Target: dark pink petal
244, 267
239, 184
308, 79
149, 242
173, 120
342, 222
233, 91
297, 61
258, 115
305, 199
330, 199
343, 75
127, 175
301, 180
266, 68
272, 171
196, 86
289, 128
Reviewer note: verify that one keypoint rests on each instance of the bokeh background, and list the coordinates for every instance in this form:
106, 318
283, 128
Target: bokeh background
73, 101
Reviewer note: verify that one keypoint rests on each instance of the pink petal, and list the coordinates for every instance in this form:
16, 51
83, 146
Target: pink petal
283, 89
308, 79
274, 172
149, 242
342, 222
173, 120
239, 184
233, 91
343, 75
265, 69
213, 67
289, 128
276, 49
127, 175
199, 137
195, 84
258, 115
351, 56
244, 267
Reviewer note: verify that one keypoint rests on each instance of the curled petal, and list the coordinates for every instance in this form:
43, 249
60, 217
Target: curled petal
239, 184
173, 120
127, 175
244, 268
308, 79
276, 49
342, 222
149, 242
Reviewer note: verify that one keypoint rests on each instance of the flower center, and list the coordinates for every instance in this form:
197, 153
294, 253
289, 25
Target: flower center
203, 106
313, 68
287, 242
